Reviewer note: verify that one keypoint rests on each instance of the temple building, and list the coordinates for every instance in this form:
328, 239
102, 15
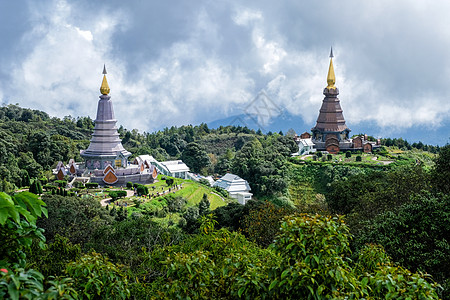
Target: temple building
105, 147
331, 134
106, 160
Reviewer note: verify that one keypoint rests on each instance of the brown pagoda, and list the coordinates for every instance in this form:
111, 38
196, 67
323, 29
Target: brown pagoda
330, 133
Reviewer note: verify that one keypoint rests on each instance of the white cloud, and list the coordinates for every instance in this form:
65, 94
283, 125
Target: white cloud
243, 16
391, 63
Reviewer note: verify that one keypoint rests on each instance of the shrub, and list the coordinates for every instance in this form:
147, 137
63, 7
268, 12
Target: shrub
319, 154
117, 194
142, 190
329, 157
348, 154
314, 157
129, 185
61, 183
78, 184
359, 158
221, 191
43, 180
94, 274
169, 181
175, 204
91, 185
204, 182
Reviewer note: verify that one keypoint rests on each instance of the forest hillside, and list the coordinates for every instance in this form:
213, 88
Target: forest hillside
345, 226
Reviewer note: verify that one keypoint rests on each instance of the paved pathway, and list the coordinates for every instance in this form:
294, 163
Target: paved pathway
105, 202
130, 193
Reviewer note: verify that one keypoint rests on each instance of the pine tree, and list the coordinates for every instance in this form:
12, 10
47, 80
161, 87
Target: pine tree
203, 206
38, 186
33, 187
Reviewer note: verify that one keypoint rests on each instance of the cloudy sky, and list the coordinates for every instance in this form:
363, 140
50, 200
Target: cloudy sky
187, 62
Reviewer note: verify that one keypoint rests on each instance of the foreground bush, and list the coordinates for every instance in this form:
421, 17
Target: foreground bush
310, 259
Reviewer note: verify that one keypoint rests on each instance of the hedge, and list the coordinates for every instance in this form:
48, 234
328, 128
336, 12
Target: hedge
91, 185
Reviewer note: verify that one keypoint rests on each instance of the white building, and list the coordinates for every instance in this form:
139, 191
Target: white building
305, 146
236, 187
173, 168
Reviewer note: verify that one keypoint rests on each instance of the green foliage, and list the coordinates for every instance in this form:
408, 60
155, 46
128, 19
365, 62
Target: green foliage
264, 167
230, 216
415, 235
348, 154
262, 223
169, 181
18, 228
221, 191
195, 157
129, 185
129, 240
308, 260
358, 158
207, 223
222, 266
21, 284
61, 183
371, 193
73, 217
203, 206
141, 190
52, 260
189, 220
95, 276
313, 248
117, 194
441, 171
204, 182
329, 157
175, 203
380, 278
91, 185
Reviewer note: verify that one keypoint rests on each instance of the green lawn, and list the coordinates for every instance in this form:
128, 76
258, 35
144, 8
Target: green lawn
191, 190
194, 191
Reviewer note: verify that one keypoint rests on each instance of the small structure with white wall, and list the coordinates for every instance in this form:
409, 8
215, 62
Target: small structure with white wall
305, 146
236, 187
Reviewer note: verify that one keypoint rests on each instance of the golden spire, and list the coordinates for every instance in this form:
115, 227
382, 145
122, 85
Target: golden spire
104, 89
331, 79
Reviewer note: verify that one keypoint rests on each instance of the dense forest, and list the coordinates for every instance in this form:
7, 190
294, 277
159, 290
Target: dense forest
315, 229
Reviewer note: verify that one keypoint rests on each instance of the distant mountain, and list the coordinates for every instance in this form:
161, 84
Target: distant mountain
284, 121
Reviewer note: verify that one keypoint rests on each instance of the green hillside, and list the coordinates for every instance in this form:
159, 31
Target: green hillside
348, 226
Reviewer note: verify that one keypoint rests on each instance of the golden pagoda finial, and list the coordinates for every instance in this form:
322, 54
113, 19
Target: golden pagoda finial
104, 88
331, 79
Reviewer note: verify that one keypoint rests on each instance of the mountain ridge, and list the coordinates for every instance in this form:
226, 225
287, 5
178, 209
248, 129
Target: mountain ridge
285, 121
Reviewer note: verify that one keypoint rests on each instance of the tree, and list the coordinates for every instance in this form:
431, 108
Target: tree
441, 170
195, 157
415, 235
190, 216
224, 163
291, 133
263, 223
309, 259
203, 206
265, 167
94, 274
73, 217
